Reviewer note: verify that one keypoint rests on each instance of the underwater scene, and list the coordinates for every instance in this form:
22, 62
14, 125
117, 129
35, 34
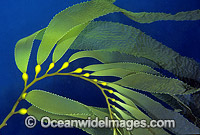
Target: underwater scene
132, 61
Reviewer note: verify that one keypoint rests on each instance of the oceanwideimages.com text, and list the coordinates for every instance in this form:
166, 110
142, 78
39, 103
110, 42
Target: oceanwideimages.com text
46, 122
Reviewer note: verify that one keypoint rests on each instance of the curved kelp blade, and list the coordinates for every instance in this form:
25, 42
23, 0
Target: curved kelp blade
123, 65
111, 37
39, 114
69, 18
136, 113
56, 104
153, 83
64, 44
23, 50
111, 57
158, 112
117, 72
125, 99
145, 17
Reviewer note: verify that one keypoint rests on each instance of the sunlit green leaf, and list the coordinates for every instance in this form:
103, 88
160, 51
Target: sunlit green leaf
56, 104
69, 18
23, 50
118, 72
111, 57
66, 41
135, 67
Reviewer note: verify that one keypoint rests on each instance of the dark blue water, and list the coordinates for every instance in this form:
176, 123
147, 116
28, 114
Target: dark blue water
22, 18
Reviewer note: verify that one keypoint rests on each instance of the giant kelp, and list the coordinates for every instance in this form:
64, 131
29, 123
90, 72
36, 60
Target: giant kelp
124, 52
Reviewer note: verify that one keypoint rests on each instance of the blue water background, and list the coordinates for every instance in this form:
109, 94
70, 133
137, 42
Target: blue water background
23, 17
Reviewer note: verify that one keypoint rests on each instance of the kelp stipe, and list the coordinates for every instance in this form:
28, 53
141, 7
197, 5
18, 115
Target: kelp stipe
124, 52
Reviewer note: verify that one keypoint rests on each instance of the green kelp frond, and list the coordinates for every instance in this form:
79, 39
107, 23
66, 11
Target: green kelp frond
68, 19
57, 105
23, 50
111, 37
64, 44
112, 57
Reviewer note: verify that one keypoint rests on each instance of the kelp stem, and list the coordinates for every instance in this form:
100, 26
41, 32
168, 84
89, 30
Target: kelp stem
12, 112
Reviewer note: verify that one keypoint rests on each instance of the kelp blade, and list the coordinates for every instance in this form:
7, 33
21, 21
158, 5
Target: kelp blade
154, 84
56, 104
125, 99
69, 18
117, 72
66, 41
23, 50
139, 115
112, 57
122, 65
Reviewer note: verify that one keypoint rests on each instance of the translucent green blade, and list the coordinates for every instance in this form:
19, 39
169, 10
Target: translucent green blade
39, 113
56, 104
125, 99
125, 65
134, 111
153, 83
117, 72
111, 57
23, 50
65, 42
69, 18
